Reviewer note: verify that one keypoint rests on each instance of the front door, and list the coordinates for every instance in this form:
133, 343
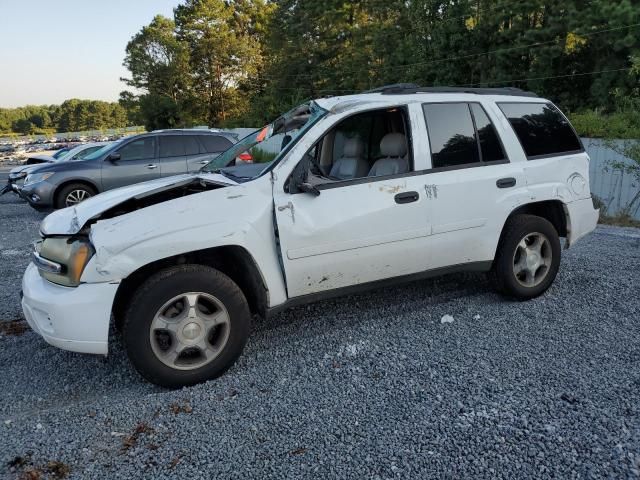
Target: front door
137, 163
352, 234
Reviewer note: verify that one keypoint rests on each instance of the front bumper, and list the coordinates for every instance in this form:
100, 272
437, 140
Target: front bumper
583, 219
75, 319
38, 194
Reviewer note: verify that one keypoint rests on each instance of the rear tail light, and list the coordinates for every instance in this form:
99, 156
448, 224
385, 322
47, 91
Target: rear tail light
246, 157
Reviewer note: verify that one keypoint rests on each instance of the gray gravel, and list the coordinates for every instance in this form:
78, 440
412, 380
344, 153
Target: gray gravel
367, 386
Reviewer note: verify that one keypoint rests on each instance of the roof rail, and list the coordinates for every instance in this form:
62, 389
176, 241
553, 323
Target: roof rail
409, 88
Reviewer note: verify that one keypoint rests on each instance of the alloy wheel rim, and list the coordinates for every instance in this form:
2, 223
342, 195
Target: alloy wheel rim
532, 259
76, 196
190, 330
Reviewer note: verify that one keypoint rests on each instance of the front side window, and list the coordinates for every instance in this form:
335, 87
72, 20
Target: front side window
140, 149
375, 143
541, 129
171, 146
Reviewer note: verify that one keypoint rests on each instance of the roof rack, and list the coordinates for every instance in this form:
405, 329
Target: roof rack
409, 88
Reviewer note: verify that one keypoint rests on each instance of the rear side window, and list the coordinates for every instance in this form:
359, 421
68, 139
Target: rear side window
171, 146
461, 134
490, 145
215, 143
541, 129
192, 146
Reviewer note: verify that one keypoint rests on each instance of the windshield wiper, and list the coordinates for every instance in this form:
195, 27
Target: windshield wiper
235, 178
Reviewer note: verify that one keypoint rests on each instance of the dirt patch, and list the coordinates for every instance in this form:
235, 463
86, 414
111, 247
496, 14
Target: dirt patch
13, 327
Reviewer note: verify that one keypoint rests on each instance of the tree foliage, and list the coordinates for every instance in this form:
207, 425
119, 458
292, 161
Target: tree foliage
71, 116
244, 61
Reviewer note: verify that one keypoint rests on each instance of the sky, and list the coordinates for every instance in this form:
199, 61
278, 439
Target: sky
51, 51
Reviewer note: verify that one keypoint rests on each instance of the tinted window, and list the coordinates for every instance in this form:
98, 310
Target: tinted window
214, 143
171, 146
451, 134
140, 149
192, 146
489, 141
541, 128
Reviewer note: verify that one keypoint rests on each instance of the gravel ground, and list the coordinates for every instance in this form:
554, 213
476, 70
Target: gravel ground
367, 386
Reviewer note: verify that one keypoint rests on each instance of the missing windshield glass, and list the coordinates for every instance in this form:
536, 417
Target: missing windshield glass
268, 145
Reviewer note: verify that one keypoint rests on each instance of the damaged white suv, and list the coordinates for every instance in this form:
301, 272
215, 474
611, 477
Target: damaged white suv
394, 184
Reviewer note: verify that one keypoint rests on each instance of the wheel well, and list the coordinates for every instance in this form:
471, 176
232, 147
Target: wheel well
235, 262
69, 182
551, 210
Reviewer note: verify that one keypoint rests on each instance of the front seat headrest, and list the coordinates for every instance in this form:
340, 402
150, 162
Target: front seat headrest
393, 145
353, 147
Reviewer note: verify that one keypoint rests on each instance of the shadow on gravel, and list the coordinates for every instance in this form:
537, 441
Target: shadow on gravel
435, 291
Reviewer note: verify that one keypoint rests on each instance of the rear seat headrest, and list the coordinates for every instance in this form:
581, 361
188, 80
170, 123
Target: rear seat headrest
393, 145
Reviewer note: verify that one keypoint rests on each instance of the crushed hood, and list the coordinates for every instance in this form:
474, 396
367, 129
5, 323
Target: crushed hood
71, 220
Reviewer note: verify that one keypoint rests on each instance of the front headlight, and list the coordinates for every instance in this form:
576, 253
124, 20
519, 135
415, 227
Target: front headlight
36, 177
17, 175
62, 260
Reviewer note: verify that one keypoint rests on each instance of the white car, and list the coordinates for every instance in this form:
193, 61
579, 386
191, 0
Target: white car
395, 184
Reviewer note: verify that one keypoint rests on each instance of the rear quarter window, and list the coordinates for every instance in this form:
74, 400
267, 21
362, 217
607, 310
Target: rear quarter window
542, 129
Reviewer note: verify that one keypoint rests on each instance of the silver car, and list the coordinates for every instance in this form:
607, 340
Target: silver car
129, 160
17, 175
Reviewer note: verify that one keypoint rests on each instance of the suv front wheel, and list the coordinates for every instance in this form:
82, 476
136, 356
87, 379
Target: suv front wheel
528, 257
73, 194
185, 325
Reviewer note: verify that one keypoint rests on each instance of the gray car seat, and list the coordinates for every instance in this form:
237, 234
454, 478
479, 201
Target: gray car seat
351, 164
394, 149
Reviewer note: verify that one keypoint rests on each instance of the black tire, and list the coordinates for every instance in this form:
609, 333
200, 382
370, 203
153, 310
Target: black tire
149, 299
503, 274
60, 200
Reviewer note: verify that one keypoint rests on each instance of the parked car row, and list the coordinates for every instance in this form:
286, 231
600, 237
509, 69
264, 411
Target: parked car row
394, 184
87, 170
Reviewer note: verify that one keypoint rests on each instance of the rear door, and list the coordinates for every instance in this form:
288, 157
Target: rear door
210, 146
137, 163
472, 184
171, 153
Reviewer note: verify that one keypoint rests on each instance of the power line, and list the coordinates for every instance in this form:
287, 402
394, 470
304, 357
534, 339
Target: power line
514, 80
462, 57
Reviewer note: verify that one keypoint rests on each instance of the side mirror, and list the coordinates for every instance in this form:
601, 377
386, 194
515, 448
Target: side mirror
113, 157
308, 188
298, 180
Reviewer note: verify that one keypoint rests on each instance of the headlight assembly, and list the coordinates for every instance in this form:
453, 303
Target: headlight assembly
37, 177
17, 175
62, 260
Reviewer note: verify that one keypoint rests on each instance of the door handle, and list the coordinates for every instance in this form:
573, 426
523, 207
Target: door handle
203, 162
151, 166
506, 182
407, 197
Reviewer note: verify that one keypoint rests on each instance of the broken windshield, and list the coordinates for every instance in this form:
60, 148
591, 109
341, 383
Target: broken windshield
266, 145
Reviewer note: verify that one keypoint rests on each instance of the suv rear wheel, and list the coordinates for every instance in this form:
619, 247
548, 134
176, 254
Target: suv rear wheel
185, 325
73, 194
528, 257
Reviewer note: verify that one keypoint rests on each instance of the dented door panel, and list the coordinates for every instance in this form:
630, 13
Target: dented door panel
352, 234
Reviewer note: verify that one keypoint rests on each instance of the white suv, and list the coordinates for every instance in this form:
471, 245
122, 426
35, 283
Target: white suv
395, 184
